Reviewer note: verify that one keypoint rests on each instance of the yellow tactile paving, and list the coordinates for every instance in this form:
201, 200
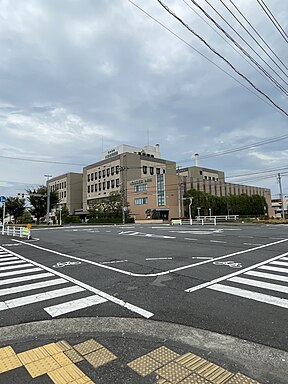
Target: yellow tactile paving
87, 347
173, 372
52, 348
6, 352
241, 379
62, 359
73, 355
100, 357
33, 355
9, 363
144, 365
163, 355
67, 374
195, 379
213, 373
40, 367
63, 345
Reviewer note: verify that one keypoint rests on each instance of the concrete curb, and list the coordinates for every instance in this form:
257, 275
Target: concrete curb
256, 360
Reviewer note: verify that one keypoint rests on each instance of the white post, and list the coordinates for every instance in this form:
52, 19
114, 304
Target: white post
202, 220
210, 213
215, 220
190, 213
14, 231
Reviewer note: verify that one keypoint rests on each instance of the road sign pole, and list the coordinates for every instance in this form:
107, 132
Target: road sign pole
3, 218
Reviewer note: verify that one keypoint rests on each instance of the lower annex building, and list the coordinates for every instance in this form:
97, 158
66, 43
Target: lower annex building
148, 183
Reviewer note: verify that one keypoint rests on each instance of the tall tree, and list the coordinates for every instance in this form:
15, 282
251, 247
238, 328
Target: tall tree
38, 200
15, 207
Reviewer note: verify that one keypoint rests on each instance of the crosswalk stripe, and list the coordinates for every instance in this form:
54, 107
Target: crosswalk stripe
42, 296
74, 305
4, 254
28, 287
9, 258
25, 278
260, 284
16, 266
284, 258
250, 295
270, 276
12, 262
23, 271
283, 263
276, 269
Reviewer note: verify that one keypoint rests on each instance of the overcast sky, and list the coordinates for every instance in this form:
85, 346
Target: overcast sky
74, 73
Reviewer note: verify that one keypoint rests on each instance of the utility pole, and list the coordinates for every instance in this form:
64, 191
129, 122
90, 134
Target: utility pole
48, 199
179, 195
281, 195
122, 192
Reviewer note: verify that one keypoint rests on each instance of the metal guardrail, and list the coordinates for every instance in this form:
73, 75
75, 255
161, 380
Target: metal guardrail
17, 231
202, 220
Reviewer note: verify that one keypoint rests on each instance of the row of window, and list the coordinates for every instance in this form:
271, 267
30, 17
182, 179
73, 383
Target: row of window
211, 178
102, 186
151, 170
105, 172
57, 186
141, 201
62, 195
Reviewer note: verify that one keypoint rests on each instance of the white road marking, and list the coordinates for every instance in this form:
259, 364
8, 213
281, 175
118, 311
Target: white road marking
226, 277
8, 259
159, 258
25, 278
15, 267
281, 263
198, 257
246, 237
260, 284
28, 287
276, 269
151, 274
251, 295
96, 291
285, 258
114, 261
20, 301
188, 238
74, 305
22, 272
251, 244
270, 276
218, 241
11, 262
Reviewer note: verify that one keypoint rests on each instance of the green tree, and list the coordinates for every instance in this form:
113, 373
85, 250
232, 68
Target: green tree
107, 207
38, 200
26, 217
15, 207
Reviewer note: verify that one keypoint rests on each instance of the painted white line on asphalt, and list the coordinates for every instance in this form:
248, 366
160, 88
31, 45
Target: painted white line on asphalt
105, 295
114, 262
270, 276
218, 241
159, 258
19, 302
260, 284
25, 278
188, 238
22, 272
198, 257
282, 263
276, 238
11, 262
285, 258
276, 269
250, 295
226, 277
150, 274
251, 244
15, 267
74, 305
8, 259
28, 287
246, 237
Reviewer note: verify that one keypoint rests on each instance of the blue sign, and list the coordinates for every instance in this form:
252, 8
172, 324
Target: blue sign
2, 199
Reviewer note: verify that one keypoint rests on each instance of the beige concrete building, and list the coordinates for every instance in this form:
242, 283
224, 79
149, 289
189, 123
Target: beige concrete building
69, 189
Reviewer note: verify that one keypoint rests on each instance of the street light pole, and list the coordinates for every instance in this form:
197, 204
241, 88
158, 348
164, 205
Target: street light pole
48, 199
190, 213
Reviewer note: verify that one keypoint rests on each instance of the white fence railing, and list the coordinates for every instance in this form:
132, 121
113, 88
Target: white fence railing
17, 231
202, 220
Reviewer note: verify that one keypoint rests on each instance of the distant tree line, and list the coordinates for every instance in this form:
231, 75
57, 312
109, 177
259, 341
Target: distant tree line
242, 205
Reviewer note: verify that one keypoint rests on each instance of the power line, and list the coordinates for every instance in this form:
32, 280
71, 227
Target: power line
219, 55
251, 26
207, 58
39, 161
273, 19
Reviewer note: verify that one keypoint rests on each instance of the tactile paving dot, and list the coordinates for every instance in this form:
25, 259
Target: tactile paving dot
163, 355
173, 372
67, 374
241, 379
195, 379
6, 352
8, 363
144, 365
40, 367
100, 357
62, 359
87, 346
63, 345
74, 356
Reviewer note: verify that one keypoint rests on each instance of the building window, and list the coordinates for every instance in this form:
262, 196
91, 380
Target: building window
92, 176
112, 171
201, 172
99, 175
65, 184
117, 169
99, 187
140, 187
64, 193
141, 201
95, 186
88, 188
103, 173
112, 183
108, 184
108, 172
89, 177
158, 171
92, 188
144, 169
104, 185
95, 175
160, 190
117, 183
164, 171
151, 171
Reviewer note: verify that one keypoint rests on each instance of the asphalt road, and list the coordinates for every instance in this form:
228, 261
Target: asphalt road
227, 279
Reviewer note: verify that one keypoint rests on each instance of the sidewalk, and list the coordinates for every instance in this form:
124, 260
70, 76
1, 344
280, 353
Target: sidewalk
114, 350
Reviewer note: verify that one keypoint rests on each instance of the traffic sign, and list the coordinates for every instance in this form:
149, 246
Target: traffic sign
2, 199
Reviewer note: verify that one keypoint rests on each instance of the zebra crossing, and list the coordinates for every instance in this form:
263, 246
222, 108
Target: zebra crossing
266, 283
24, 282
